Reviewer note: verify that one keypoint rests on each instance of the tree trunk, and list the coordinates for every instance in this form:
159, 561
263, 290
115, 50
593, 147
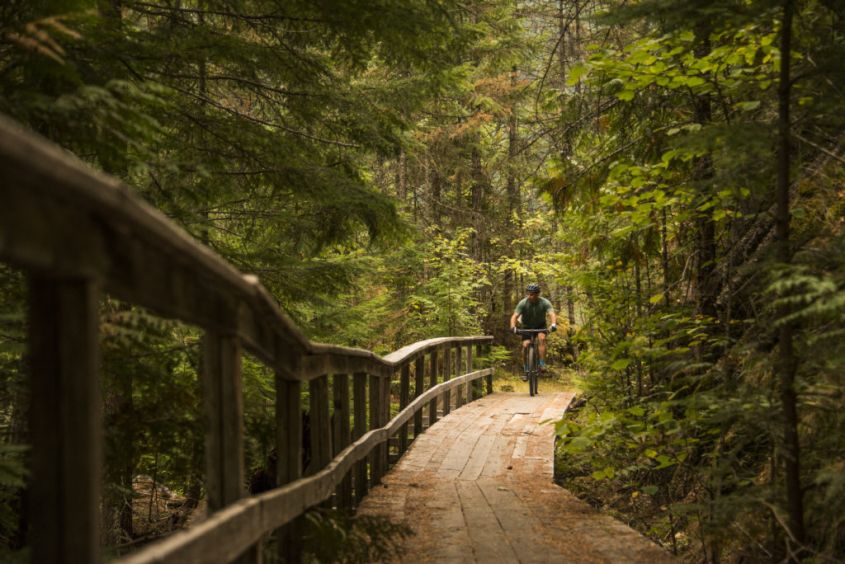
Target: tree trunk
787, 364
705, 226
436, 188
401, 176
514, 203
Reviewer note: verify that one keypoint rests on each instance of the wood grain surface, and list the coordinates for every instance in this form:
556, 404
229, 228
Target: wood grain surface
477, 487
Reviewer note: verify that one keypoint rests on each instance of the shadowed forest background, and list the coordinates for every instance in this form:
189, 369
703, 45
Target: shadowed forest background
670, 172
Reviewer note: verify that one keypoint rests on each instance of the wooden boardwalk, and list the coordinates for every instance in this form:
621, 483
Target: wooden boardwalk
477, 487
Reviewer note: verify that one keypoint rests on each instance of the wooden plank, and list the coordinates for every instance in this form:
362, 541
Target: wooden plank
419, 385
359, 400
376, 469
342, 435
65, 421
432, 406
289, 459
490, 543
404, 399
220, 373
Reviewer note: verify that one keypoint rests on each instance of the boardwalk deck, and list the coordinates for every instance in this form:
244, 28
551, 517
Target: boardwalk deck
477, 487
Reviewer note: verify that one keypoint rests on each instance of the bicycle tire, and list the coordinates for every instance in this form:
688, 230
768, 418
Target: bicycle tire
536, 379
532, 369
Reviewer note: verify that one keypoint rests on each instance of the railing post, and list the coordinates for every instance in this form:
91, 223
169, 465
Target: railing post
474, 392
223, 406
321, 436
359, 400
65, 420
447, 370
289, 459
375, 415
384, 418
458, 372
432, 405
404, 399
419, 385
341, 435
489, 376
222, 385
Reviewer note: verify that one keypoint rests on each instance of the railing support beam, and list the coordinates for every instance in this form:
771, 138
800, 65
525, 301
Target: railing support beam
359, 401
404, 399
65, 421
432, 405
341, 435
289, 459
376, 457
419, 388
223, 407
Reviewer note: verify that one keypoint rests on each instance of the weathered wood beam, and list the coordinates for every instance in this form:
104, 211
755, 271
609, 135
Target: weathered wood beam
65, 420
419, 385
359, 401
220, 373
341, 435
376, 468
432, 407
288, 459
404, 399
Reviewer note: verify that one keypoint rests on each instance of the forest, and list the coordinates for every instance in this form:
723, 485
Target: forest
671, 172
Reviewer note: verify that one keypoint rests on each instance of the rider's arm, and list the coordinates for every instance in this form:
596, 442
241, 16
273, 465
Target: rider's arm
552, 318
514, 317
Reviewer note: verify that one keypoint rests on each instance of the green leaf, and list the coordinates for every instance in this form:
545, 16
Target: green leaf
626, 95
576, 73
663, 462
747, 106
621, 364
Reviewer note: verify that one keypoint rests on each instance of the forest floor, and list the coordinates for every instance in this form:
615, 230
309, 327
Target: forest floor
555, 380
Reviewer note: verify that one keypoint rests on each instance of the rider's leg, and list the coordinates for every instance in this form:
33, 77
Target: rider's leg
542, 349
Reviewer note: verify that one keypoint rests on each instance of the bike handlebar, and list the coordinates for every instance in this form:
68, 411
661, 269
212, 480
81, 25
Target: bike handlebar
531, 331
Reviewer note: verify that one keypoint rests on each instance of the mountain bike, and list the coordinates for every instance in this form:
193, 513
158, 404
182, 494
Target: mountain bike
533, 372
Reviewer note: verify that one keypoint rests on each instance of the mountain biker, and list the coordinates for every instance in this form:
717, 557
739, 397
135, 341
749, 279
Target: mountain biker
532, 310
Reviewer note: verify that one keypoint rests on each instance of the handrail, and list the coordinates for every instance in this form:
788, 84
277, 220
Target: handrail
247, 520
78, 233
113, 235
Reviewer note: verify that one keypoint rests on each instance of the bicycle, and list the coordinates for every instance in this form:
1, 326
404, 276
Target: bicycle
533, 372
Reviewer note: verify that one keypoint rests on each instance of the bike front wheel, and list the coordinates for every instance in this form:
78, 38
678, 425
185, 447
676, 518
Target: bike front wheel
532, 370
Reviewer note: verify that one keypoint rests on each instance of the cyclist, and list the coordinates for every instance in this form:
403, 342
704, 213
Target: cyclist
533, 311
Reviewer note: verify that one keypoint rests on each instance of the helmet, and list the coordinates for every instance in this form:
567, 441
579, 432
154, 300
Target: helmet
532, 288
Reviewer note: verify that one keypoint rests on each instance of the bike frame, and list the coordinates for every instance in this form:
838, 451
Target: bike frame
533, 357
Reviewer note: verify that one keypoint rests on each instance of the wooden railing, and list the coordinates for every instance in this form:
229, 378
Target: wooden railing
77, 235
